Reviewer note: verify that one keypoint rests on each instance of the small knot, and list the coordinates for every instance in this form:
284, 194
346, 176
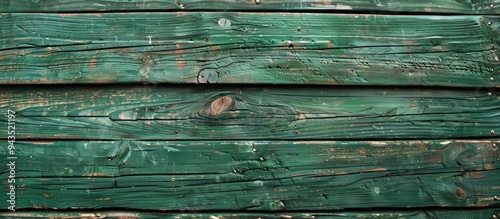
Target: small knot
223, 22
219, 105
209, 76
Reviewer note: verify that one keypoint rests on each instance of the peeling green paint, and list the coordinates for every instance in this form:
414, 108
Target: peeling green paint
257, 48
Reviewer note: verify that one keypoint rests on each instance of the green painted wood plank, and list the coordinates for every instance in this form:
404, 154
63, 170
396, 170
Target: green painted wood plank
255, 176
241, 48
394, 6
210, 112
409, 214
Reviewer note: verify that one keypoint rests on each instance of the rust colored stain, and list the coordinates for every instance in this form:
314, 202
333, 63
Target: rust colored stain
90, 14
435, 159
102, 79
93, 62
489, 166
215, 48
179, 50
377, 170
231, 79
475, 175
180, 63
461, 193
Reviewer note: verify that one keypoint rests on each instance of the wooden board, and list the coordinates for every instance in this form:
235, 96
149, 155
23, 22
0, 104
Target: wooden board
210, 112
392, 6
403, 213
248, 48
255, 175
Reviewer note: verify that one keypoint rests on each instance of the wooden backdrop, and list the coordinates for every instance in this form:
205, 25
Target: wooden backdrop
251, 108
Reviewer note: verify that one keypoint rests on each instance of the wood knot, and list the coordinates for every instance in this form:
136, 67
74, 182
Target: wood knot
219, 105
223, 22
461, 193
208, 76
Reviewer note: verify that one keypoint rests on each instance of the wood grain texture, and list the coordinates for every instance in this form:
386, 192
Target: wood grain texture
255, 175
248, 48
211, 112
394, 214
393, 6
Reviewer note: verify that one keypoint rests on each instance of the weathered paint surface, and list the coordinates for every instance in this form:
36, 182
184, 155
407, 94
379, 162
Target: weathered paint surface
392, 6
405, 213
170, 112
275, 137
249, 48
262, 176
